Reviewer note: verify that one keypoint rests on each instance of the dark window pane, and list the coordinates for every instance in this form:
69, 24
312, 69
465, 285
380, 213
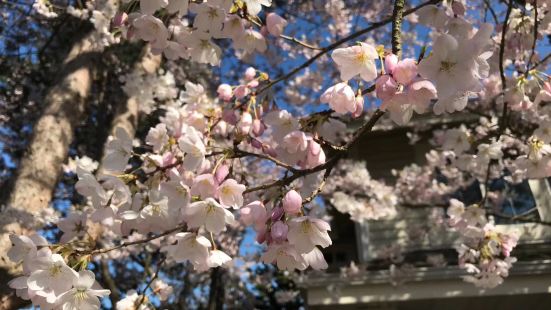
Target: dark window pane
517, 202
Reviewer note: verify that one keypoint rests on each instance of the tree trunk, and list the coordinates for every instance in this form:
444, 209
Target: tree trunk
40, 167
126, 115
216, 290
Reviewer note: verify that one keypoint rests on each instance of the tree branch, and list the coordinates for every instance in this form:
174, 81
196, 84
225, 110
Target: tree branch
501, 60
397, 16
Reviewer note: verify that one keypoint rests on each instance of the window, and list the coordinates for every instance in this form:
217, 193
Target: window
515, 201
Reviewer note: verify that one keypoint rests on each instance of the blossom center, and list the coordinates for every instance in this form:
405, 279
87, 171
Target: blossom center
447, 66
212, 13
55, 270
305, 227
362, 58
80, 294
536, 145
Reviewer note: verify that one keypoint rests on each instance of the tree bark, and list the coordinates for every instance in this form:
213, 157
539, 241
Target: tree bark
40, 167
216, 290
126, 115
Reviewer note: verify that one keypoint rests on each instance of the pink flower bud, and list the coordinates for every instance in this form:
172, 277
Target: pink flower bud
258, 127
385, 87
264, 31
279, 231
261, 235
229, 117
120, 19
268, 150
225, 92
458, 8
221, 173
292, 202
359, 106
250, 73
275, 24
256, 144
390, 63
241, 91
277, 213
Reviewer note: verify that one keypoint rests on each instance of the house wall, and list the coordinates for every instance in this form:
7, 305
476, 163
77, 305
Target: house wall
531, 292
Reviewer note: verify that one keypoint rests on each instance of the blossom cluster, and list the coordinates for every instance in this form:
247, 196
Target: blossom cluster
48, 281
484, 252
217, 164
354, 192
212, 20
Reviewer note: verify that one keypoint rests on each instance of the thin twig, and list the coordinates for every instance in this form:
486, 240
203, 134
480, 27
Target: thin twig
501, 68
145, 240
299, 42
536, 24
148, 285
237, 153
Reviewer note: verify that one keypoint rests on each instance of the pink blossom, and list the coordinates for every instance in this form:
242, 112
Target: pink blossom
253, 83
356, 60
275, 24
254, 213
405, 71
402, 91
204, 186
385, 87
295, 141
230, 193
340, 97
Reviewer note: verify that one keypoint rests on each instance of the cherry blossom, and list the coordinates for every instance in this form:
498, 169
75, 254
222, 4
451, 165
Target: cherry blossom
340, 98
230, 193
209, 213
82, 295
305, 233
275, 24
356, 60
